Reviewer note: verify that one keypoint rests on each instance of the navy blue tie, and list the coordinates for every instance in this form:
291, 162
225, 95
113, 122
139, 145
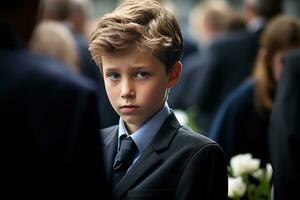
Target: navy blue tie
124, 158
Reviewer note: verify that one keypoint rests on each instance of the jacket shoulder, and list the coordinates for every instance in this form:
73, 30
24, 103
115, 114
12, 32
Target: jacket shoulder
188, 136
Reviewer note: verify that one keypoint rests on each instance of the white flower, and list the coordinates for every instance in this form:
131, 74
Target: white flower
181, 116
258, 174
269, 171
244, 164
236, 187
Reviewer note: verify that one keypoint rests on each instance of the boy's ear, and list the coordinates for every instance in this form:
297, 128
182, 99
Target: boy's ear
174, 74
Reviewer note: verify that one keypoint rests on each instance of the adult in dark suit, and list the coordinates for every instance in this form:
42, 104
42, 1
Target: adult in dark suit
285, 132
210, 19
232, 58
49, 142
173, 166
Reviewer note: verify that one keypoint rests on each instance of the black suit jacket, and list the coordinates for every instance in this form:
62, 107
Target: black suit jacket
285, 132
49, 128
178, 164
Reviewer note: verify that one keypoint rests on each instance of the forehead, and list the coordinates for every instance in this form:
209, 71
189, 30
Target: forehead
133, 58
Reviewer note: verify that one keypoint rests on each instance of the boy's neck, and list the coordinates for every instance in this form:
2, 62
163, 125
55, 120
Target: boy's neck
131, 128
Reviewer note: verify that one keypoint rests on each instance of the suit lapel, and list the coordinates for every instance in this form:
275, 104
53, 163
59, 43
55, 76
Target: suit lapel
150, 157
110, 141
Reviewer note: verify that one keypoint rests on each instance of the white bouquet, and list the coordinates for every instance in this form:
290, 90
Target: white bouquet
246, 180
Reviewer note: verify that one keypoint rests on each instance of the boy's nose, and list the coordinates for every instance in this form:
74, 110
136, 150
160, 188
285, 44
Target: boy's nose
127, 90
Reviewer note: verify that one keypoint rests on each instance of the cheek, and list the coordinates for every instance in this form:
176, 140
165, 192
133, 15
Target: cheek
111, 91
277, 68
154, 94
277, 72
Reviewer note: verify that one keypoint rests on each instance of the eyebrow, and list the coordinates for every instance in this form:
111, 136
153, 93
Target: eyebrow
142, 67
131, 67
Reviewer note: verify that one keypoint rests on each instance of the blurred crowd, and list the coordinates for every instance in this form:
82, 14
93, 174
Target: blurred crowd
63, 34
232, 67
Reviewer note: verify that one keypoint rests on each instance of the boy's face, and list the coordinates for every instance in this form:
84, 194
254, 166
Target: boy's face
136, 85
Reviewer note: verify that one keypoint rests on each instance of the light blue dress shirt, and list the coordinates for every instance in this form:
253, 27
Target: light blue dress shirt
144, 135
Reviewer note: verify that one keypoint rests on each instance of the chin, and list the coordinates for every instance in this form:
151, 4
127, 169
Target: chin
132, 120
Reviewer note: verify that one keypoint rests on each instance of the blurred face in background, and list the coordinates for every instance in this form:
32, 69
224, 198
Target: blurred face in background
277, 62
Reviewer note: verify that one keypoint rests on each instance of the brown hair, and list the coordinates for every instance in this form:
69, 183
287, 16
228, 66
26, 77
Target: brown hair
281, 33
141, 24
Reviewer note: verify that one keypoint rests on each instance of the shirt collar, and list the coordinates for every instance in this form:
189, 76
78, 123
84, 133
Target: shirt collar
144, 135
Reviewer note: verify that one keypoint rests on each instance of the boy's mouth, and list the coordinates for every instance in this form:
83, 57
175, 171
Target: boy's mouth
128, 108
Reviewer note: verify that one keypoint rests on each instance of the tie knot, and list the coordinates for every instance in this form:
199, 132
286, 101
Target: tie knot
127, 144
126, 153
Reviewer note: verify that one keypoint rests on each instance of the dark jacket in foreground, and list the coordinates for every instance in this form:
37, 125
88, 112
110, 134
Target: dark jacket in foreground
178, 164
285, 132
49, 128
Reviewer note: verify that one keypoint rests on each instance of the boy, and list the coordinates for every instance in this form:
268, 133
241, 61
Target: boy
149, 155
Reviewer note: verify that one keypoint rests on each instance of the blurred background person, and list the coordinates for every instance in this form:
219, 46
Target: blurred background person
53, 39
231, 63
241, 125
258, 12
49, 119
208, 22
208, 19
236, 22
75, 14
78, 14
284, 135
55, 10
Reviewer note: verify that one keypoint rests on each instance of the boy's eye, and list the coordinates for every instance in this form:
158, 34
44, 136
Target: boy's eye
114, 76
142, 74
